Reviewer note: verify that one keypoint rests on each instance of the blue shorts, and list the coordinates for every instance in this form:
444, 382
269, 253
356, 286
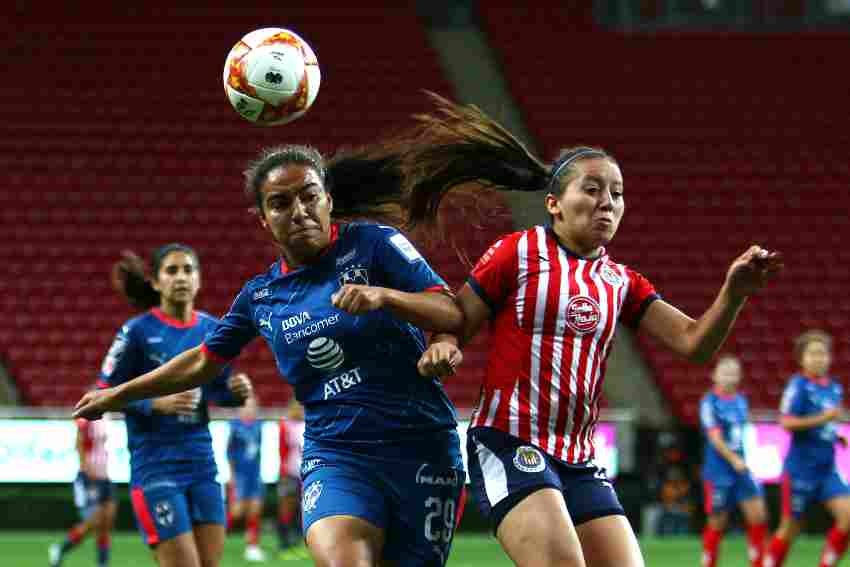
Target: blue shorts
164, 509
248, 487
414, 502
90, 493
724, 494
504, 470
800, 490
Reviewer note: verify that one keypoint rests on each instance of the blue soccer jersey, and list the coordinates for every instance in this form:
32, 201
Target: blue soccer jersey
728, 414
164, 444
243, 446
812, 448
355, 374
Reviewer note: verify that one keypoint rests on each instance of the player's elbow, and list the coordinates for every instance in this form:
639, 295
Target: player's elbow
787, 423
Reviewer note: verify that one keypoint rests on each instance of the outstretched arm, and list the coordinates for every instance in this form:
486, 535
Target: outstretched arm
183, 372
698, 340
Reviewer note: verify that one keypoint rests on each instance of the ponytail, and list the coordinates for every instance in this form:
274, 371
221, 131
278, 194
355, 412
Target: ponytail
131, 282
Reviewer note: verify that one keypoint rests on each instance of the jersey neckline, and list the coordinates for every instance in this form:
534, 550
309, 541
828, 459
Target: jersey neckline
286, 270
172, 322
550, 231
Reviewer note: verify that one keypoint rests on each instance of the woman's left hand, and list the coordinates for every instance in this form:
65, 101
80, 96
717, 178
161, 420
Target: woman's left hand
240, 385
751, 271
359, 299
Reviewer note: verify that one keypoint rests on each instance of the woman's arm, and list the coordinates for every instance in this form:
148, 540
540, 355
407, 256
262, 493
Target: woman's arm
188, 370
715, 437
698, 340
429, 310
443, 355
801, 423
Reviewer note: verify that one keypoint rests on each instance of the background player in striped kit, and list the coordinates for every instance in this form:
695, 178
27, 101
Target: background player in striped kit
246, 485
810, 410
382, 468
178, 504
290, 448
727, 481
554, 296
93, 494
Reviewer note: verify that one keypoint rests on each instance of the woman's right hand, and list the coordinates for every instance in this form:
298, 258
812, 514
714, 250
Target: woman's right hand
94, 404
441, 359
182, 403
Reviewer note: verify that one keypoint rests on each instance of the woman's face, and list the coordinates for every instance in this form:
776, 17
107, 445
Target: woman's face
816, 359
727, 374
589, 210
178, 279
296, 210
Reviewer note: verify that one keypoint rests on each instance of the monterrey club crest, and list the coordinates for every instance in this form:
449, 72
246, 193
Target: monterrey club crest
583, 315
528, 459
311, 496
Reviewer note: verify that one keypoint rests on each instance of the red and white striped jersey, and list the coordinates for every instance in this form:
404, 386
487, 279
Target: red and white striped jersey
554, 320
94, 438
291, 446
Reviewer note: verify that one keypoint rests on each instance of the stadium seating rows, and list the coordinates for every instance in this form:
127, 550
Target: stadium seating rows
122, 138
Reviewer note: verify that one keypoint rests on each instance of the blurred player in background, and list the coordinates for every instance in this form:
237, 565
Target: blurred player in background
243, 455
291, 447
178, 504
344, 310
93, 494
554, 297
810, 410
727, 481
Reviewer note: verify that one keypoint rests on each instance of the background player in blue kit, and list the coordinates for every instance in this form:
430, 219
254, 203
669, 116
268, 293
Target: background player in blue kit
243, 455
178, 504
811, 407
727, 482
343, 311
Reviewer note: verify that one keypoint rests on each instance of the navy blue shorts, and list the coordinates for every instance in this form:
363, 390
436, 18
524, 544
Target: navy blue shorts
248, 487
505, 469
165, 508
416, 503
723, 494
801, 488
90, 493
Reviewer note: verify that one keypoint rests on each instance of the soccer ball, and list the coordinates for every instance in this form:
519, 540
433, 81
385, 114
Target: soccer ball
271, 76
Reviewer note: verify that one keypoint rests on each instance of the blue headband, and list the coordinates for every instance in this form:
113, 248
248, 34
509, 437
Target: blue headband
558, 168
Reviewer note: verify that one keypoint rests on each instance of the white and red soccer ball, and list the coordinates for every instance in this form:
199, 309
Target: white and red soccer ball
271, 76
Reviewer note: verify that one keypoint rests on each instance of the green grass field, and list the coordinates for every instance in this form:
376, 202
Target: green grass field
28, 549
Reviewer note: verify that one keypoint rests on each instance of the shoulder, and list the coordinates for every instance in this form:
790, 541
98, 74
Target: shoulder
365, 230
138, 324
206, 319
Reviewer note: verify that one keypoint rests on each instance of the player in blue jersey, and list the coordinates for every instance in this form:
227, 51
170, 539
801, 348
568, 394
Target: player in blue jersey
810, 410
344, 311
178, 504
727, 481
243, 455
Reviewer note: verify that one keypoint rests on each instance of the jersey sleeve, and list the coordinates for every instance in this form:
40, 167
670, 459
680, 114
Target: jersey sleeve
707, 415
494, 276
234, 331
640, 296
121, 363
402, 266
793, 399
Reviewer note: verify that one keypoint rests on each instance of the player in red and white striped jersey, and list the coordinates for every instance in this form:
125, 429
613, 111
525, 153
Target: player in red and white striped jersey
554, 297
93, 494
